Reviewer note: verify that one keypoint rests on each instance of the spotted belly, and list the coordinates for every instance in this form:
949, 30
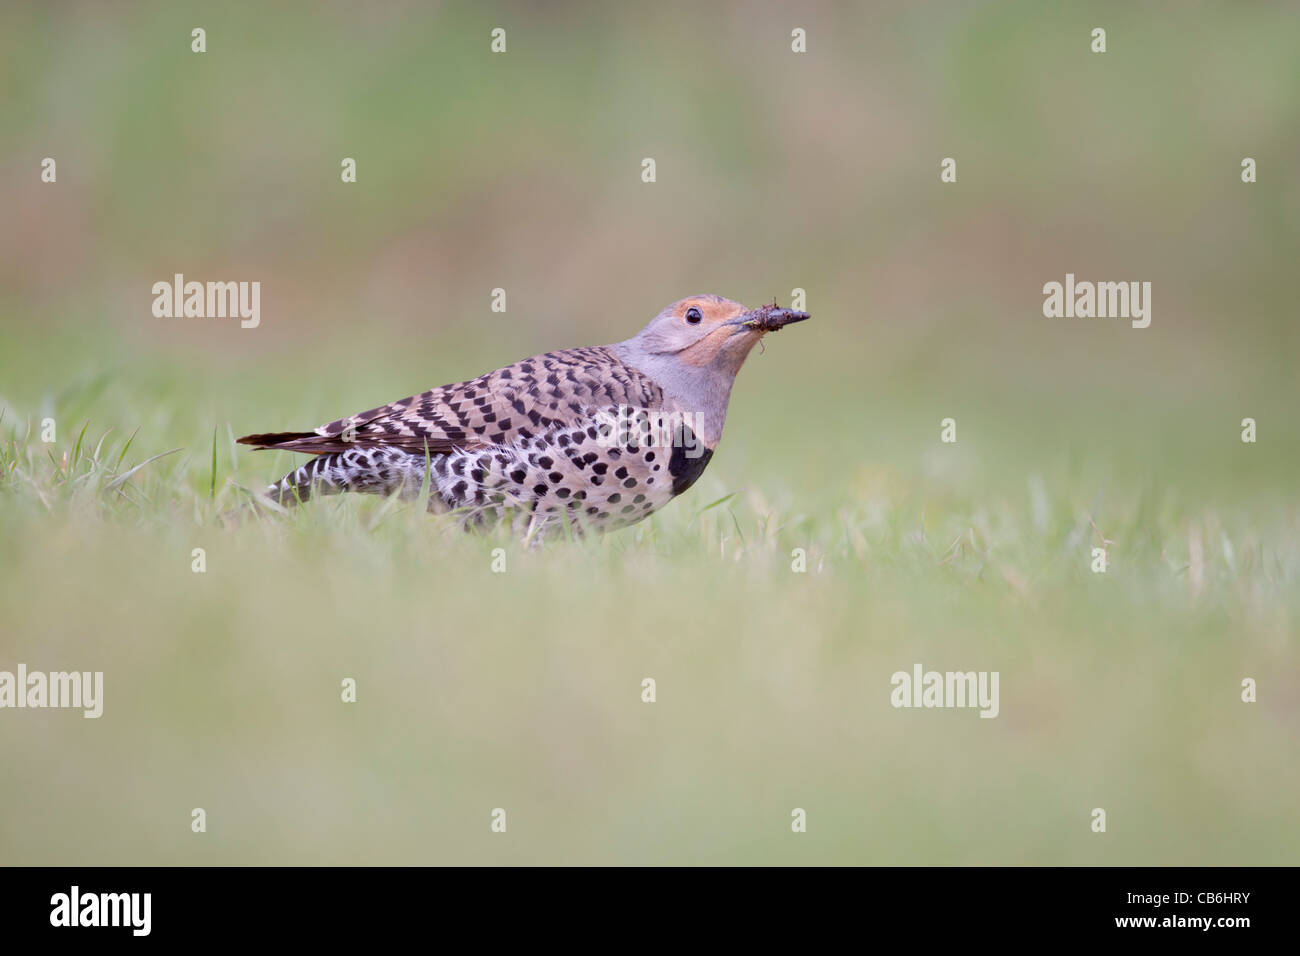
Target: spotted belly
563, 476
572, 476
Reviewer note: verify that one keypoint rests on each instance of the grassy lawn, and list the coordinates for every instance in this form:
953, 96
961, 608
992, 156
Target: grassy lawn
834, 539
480, 689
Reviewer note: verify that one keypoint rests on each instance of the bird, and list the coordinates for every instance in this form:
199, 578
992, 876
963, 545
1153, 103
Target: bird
592, 438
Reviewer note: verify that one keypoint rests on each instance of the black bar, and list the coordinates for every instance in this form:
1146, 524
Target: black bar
301, 905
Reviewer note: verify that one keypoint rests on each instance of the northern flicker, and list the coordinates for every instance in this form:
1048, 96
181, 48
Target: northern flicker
597, 438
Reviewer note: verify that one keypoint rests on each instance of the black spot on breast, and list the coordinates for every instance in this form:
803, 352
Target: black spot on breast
684, 469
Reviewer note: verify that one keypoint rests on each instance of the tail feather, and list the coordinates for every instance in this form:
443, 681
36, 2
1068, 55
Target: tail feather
274, 439
299, 484
368, 470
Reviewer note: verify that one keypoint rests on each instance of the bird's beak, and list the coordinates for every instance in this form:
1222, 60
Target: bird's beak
768, 318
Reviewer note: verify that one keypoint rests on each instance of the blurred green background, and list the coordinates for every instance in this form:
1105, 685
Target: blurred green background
775, 170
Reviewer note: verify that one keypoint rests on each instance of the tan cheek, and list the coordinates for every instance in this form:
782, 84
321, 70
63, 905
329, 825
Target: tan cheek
706, 349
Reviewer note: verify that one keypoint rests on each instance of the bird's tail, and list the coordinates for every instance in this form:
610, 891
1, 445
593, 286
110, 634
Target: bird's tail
274, 439
324, 475
294, 488
382, 471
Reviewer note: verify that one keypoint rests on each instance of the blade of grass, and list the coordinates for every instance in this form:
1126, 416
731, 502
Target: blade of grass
99, 445
76, 449
714, 504
121, 479
125, 447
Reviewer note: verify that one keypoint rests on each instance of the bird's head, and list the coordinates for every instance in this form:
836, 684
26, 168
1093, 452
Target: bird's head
710, 332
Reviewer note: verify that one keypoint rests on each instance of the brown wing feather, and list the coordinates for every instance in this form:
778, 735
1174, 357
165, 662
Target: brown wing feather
273, 439
557, 389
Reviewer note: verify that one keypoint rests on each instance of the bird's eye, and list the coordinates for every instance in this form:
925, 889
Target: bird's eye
693, 316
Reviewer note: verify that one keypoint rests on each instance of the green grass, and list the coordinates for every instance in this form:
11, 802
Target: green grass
522, 689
